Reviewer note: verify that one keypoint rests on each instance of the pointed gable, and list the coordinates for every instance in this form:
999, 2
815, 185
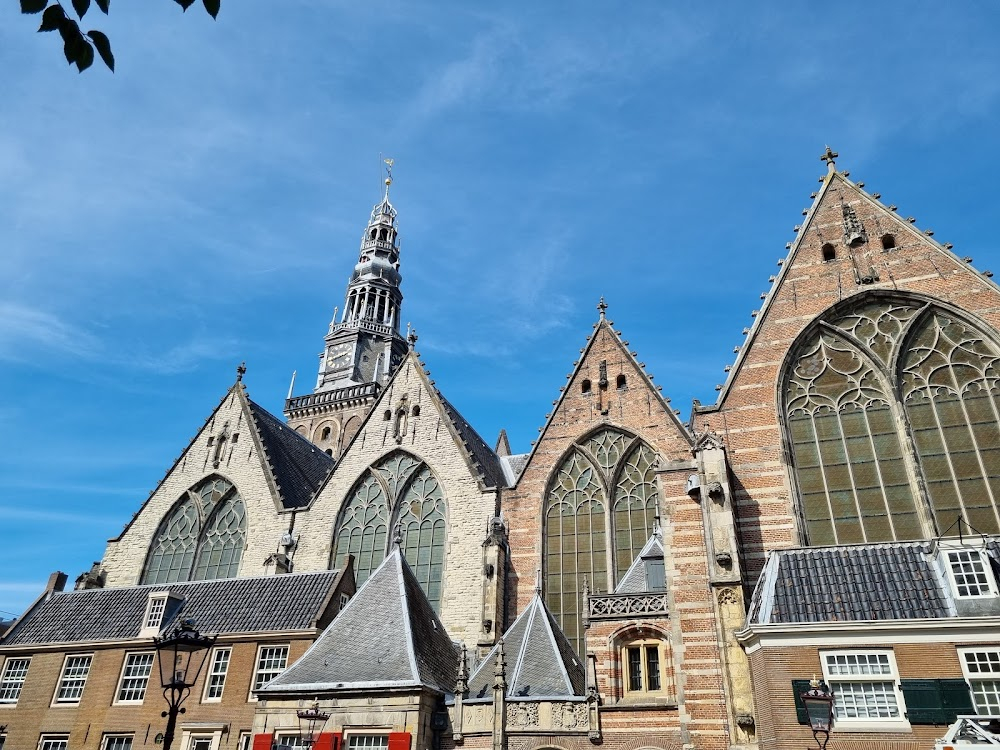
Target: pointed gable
635, 580
541, 662
387, 636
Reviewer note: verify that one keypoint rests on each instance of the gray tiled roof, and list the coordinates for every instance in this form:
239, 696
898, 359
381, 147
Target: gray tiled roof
634, 580
513, 466
892, 581
481, 454
230, 605
387, 636
541, 662
299, 467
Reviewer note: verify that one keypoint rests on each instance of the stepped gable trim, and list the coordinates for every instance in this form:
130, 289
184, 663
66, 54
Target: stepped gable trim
276, 441
108, 604
828, 181
176, 461
602, 324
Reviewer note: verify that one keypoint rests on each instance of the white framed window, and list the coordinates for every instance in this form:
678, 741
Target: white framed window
117, 742
75, 669
344, 599
15, 671
970, 573
271, 661
135, 677
53, 742
245, 742
865, 685
290, 742
215, 682
981, 667
200, 743
367, 742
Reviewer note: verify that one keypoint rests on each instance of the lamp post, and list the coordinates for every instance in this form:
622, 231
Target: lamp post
175, 653
311, 723
818, 701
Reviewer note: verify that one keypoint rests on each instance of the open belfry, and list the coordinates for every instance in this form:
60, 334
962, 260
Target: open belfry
374, 575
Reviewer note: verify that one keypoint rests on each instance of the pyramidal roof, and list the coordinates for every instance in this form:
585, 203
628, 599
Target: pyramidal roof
388, 636
541, 662
634, 580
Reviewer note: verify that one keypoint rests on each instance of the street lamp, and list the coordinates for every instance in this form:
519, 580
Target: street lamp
311, 723
175, 654
818, 701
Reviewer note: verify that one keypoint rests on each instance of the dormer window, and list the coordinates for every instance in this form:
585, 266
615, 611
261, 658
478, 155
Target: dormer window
970, 573
156, 610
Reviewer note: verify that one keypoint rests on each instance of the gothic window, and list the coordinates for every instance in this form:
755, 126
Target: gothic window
888, 242
207, 525
893, 408
598, 514
401, 490
829, 253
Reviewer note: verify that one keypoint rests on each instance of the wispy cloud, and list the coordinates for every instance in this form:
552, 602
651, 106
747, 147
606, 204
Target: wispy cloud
27, 332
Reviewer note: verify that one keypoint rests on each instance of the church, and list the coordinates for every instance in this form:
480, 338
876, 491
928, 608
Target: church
634, 581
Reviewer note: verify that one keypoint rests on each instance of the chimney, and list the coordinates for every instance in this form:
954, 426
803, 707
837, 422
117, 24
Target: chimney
57, 582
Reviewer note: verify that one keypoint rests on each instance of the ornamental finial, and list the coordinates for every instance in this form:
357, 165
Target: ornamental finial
388, 175
241, 370
397, 534
829, 156
602, 307
411, 336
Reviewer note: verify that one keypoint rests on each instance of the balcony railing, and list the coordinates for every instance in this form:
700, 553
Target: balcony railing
364, 325
610, 606
328, 397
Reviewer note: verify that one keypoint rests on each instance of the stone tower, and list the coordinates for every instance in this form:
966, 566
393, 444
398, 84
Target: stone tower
363, 346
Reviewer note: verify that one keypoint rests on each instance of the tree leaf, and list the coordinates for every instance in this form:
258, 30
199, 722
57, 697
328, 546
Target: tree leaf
103, 5
81, 7
69, 29
212, 6
103, 45
73, 41
33, 6
85, 56
52, 17
185, 4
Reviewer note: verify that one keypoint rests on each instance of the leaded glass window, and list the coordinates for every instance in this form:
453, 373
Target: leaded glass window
399, 489
598, 514
201, 538
880, 397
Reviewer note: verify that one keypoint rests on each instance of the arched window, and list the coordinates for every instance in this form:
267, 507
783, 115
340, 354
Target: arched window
585, 386
620, 382
829, 253
888, 242
207, 525
892, 413
398, 489
598, 513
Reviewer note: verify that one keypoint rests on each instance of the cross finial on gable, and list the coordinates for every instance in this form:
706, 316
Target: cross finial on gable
829, 156
241, 370
602, 307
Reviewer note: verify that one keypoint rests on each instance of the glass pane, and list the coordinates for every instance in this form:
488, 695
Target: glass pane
635, 507
422, 519
172, 550
223, 541
364, 529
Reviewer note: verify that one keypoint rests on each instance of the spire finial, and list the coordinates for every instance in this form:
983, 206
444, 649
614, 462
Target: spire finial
602, 307
241, 370
538, 580
388, 175
397, 534
829, 156
411, 336
656, 522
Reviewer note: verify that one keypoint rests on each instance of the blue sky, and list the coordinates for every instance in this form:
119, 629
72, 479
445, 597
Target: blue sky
204, 204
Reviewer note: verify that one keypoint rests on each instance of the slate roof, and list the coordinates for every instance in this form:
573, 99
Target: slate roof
299, 467
634, 580
513, 466
541, 662
229, 605
864, 582
387, 636
481, 454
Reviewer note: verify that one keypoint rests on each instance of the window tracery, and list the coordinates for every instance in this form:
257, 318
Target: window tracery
398, 489
207, 525
598, 513
892, 413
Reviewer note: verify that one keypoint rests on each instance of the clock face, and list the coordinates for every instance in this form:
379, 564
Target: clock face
338, 356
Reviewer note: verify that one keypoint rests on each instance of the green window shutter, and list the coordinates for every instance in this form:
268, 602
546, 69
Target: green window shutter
798, 688
956, 699
923, 702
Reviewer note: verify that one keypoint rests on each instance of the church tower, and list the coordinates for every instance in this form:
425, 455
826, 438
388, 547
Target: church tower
363, 346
